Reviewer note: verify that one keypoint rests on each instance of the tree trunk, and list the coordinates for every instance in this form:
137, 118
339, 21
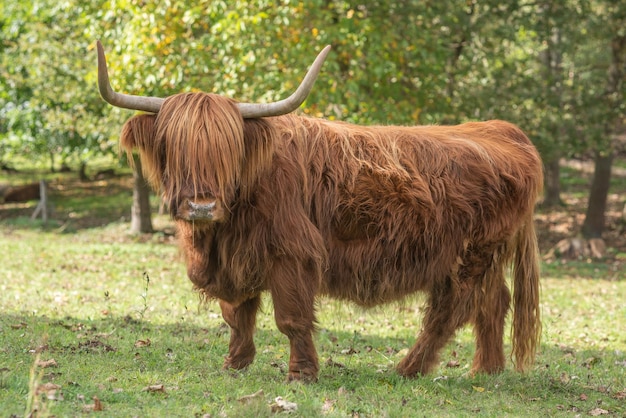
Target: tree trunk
593, 226
51, 154
82, 171
552, 180
141, 220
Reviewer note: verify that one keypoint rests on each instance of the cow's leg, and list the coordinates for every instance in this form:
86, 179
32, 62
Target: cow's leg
492, 305
242, 319
445, 314
293, 293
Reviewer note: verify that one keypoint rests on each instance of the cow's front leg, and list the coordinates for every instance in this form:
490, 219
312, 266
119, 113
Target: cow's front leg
242, 319
293, 293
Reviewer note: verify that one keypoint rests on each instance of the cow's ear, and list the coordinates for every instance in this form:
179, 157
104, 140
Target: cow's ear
136, 132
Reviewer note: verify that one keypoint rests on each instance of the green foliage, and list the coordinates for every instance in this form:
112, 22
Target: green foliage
50, 107
542, 65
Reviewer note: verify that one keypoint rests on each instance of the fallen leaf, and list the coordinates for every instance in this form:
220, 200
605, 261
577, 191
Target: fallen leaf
620, 395
598, 411
143, 343
590, 362
281, 405
453, 363
47, 363
154, 388
582, 397
328, 406
249, 398
95, 406
331, 363
478, 389
44, 387
19, 325
51, 390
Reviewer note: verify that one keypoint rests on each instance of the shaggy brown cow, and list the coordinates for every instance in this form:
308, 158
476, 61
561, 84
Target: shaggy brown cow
302, 207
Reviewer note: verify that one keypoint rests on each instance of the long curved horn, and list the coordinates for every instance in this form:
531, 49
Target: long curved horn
248, 110
127, 101
291, 103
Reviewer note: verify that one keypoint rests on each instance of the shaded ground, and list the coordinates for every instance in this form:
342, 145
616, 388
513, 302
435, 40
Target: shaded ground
78, 205
565, 222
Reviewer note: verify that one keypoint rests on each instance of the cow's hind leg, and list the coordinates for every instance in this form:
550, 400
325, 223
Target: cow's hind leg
492, 301
445, 314
242, 319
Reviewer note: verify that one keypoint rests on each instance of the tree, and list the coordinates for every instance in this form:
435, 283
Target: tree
49, 106
141, 221
612, 27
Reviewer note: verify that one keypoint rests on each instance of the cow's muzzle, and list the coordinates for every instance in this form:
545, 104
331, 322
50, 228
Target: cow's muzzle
204, 210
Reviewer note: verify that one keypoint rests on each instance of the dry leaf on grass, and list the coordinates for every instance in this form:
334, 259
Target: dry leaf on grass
249, 398
281, 405
598, 411
154, 388
51, 390
329, 405
331, 363
342, 391
39, 349
95, 406
47, 363
143, 343
453, 364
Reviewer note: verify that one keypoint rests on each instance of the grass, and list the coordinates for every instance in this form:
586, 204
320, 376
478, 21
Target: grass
85, 301
96, 321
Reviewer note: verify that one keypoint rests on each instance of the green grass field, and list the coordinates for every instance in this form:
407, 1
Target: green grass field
96, 321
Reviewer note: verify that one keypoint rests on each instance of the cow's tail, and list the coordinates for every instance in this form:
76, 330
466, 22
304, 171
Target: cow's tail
526, 311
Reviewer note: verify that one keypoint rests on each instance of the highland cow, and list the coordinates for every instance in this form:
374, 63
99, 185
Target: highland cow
265, 200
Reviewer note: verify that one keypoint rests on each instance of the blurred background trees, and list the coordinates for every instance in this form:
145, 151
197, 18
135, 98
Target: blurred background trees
557, 69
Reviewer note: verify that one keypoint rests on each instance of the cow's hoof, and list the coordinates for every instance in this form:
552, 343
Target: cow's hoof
236, 363
408, 372
301, 377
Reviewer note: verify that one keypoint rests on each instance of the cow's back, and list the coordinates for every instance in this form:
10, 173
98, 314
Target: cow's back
398, 206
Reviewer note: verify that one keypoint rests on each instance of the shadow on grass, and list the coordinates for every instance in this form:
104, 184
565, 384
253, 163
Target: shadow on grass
119, 358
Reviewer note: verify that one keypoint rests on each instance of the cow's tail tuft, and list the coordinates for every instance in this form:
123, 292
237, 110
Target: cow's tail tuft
526, 331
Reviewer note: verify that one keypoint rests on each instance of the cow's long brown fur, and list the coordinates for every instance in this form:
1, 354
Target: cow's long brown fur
365, 214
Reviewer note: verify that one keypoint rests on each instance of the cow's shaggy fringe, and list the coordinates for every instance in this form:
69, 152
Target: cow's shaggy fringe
366, 214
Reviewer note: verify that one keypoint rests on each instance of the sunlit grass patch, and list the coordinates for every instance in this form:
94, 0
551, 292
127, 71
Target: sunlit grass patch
119, 318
